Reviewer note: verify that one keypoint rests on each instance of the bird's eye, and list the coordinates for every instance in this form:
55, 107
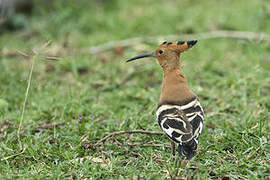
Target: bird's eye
160, 52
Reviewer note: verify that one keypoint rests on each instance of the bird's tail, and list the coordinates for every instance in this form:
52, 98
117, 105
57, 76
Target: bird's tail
187, 149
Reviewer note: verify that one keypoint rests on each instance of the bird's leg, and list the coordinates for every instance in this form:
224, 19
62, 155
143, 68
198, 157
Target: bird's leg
172, 148
180, 160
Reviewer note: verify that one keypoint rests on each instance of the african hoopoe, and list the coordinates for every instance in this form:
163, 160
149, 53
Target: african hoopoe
179, 112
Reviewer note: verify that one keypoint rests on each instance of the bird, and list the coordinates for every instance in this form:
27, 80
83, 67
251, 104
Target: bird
179, 112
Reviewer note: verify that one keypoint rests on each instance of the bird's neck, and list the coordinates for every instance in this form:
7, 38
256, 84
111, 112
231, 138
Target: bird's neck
174, 86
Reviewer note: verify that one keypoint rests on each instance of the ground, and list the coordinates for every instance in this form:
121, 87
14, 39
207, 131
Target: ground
85, 96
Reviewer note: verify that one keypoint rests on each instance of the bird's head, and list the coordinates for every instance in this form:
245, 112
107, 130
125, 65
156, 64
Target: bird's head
168, 53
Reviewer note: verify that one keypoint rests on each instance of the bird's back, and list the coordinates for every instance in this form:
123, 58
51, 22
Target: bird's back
182, 121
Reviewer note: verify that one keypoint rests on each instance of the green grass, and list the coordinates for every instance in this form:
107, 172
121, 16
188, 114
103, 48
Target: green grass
98, 94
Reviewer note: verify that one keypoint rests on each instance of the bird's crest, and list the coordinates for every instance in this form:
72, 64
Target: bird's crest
179, 46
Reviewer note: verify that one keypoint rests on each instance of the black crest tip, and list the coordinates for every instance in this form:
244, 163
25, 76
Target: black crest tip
191, 43
180, 42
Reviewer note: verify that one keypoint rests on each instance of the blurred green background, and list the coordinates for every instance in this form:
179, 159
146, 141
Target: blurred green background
83, 96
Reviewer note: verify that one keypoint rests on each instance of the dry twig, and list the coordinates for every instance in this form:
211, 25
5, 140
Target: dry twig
199, 36
149, 145
14, 155
127, 132
87, 144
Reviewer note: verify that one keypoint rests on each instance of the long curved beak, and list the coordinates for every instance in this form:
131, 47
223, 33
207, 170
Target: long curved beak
142, 56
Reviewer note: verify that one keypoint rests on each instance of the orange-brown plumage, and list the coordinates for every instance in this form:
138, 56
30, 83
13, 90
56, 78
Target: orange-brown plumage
174, 86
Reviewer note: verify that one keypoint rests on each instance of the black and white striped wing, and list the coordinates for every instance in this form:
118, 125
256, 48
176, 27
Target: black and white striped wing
182, 122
